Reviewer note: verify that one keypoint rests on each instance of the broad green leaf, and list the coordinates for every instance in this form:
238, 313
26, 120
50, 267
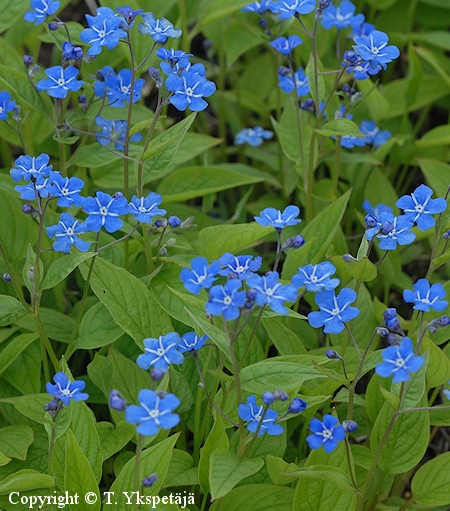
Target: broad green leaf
316, 83
256, 497
339, 128
327, 473
29, 268
15, 440
217, 10
432, 59
438, 371
11, 13
94, 155
227, 469
390, 398
62, 267
237, 39
217, 440
438, 38
25, 480
430, 485
279, 470
180, 387
181, 470
31, 406
78, 477
284, 339
11, 310
439, 136
128, 300
435, 173
58, 326
113, 439
24, 373
214, 241
363, 270
4, 460
14, 349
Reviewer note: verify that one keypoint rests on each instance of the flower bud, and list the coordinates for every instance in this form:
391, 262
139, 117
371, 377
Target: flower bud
283, 71
116, 401
349, 426
161, 394
118, 195
440, 322
267, 398
27, 209
27, 60
371, 221
280, 395
31, 274
308, 105
390, 313
348, 258
333, 355
297, 405
294, 242
383, 332
150, 480
174, 221
161, 223
53, 25
82, 99
386, 227
51, 406
351, 58
446, 235
394, 339
393, 324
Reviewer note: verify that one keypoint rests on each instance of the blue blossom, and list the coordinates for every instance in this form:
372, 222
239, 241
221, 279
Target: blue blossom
40, 186
426, 296
201, 276
399, 361
288, 81
42, 9
447, 392
334, 310
240, 267
155, 412
373, 134
159, 30
349, 141
363, 29
374, 48
189, 90
104, 211
226, 300
71, 52
342, 16
118, 87
286, 45
190, 341
376, 210
297, 405
30, 167
60, 81
271, 292
327, 433
173, 56
104, 30
100, 86
115, 130
259, 7
316, 278
275, 218
254, 414
419, 207
361, 69
145, 208
66, 231
161, 352
399, 233
182, 65
252, 136
66, 189
288, 8
66, 390
6, 105
128, 13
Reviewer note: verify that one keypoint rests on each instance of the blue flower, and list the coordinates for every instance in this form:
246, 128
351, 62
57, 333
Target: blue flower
275, 218
118, 87
202, 275
40, 186
100, 86
361, 69
31, 167
189, 90
226, 300
399, 361
342, 16
285, 46
104, 210
327, 433
400, 232
155, 412
190, 341
373, 135
60, 81
288, 81
159, 30
66, 189
104, 30
173, 56
259, 7
271, 292
240, 267
6, 105
66, 390
253, 413
115, 130
334, 310
71, 52
128, 13
447, 392
316, 278
66, 231
160, 353
363, 29
425, 296
297, 405
376, 210
288, 8
252, 136
145, 208
419, 207
349, 141
182, 65
42, 9
374, 49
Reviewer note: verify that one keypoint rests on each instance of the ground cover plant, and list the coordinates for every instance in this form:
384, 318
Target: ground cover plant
224, 255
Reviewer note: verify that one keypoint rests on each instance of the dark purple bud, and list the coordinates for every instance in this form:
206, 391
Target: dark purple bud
155, 75
118, 195
308, 105
297, 405
294, 242
351, 58
263, 23
348, 258
82, 99
349, 426
346, 88
386, 227
371, 221
174, 221
283, 71
161, 394
16, 113
53, 25
333, 355
394, 339
383, 332
116, 401
161, 223
51, 406
156, 374
446, 235
27, 209
252, 294
28, 61
390, 313
268, 398
150, 480
7, 277
100, 76
280, 395
393, 324
441, 322
323, 4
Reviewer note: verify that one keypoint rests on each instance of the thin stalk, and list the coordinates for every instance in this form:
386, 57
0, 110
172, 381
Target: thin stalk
252, 334
46, 342
278, 253
350, 468
354, 341
256, 433
137, 461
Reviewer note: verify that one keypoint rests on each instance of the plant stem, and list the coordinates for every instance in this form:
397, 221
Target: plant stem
137, 461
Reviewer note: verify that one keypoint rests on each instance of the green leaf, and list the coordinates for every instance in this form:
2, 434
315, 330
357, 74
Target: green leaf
438, 370
14, 349
284, 339
256, 497
237, 39
214, 241
128, 300
327, 473
279, 470
431, 483
15, 440
339, 128
4, 460
227, 469
31, 406
25, 480
93, 155
78, 477
430, 57
113, 439
63, 267
392, 399
11, 310
317, 87
363, 270
181, 470
29, 267
25, 372
435, 174
217, 10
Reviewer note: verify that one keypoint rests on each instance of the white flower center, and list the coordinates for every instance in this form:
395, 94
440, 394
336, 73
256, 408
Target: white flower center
327, 434
103, 210
227, 300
